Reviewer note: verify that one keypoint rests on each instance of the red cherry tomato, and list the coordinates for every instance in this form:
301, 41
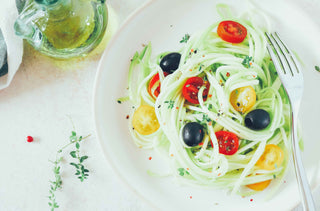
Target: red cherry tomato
228, 142
232, 31
154, 85
191, 88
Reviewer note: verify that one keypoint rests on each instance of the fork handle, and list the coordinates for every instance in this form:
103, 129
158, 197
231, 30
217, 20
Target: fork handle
305, 191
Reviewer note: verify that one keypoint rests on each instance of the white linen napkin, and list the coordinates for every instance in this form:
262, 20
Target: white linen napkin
8, 15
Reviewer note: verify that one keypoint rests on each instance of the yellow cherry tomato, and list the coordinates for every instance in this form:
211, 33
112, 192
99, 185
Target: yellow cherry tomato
259, 186
271, 158
144, 120
243, 98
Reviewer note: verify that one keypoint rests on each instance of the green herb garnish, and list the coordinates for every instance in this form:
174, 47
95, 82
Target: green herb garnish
185, 38
205, 118
317, 68
182, 172
83, 172
247, 61
170, 103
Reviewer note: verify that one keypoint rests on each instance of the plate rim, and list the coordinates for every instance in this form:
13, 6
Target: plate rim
112, 42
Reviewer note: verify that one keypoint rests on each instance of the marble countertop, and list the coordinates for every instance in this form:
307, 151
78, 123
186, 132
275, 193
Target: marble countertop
42, 98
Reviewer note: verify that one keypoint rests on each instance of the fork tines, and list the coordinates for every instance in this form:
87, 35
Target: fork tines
281, 55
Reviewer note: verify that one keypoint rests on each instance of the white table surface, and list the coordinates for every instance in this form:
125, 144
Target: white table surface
41, 98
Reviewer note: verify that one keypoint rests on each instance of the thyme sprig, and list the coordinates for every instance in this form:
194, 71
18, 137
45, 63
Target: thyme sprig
83, 172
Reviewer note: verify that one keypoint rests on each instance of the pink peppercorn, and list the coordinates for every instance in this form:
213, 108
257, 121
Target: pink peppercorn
29, 139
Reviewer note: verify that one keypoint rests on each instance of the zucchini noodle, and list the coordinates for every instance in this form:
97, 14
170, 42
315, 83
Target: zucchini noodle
222, 64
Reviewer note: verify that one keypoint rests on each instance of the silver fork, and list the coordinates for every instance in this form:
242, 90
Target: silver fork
291, 77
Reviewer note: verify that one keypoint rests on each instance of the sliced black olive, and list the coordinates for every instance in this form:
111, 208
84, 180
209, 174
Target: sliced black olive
170, 62
257, 119
192, 134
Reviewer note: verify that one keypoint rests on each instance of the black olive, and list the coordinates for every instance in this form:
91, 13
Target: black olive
257, 119
170, 62
192, 134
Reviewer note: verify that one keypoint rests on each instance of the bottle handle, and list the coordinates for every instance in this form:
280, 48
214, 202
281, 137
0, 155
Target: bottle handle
25, 26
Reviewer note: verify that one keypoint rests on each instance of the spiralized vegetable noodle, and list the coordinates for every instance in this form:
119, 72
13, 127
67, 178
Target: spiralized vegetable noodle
226, 67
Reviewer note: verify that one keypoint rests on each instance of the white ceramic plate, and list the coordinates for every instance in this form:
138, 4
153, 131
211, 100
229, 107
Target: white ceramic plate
164, 22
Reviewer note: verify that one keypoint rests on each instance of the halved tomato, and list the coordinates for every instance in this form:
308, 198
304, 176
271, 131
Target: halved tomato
271, 158
232, 31
243, 98
191, 88
145, 120
228, 142
155, 85
259, 186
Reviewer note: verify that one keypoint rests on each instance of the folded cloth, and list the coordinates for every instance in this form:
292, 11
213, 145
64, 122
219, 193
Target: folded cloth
11, 46
3, 56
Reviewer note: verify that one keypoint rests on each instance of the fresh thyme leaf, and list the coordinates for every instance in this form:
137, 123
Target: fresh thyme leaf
205, 118
317, 68
185, 38
73, 154
83, 158
247, 61
170, 103
182, 172
74, 164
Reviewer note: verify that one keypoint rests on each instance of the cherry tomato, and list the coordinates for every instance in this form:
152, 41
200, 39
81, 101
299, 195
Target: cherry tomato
232, 31
243, 98
259, 186
191, 88
144, 120
228, 142
154, 85
271, 158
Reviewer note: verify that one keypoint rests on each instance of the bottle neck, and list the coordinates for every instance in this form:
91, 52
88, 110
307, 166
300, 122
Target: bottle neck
56, 9
46, 2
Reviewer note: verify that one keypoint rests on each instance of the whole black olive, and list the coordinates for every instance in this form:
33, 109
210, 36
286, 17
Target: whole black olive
192, 134
257, 119
170, 62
